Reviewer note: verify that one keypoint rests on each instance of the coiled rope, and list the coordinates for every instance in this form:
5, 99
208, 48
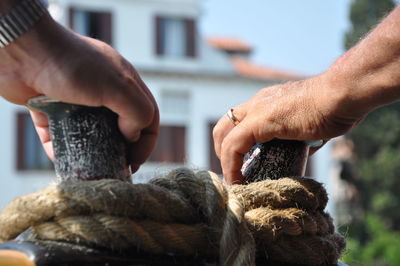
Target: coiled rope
185, 213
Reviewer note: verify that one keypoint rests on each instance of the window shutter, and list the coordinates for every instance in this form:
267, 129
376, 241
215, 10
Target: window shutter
106, 27
20, 145
171, 146
159, 36
180, 145
215, 164
190, 37
71, 13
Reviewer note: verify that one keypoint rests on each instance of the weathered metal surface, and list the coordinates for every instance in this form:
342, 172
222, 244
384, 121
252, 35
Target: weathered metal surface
86, 141
275, 159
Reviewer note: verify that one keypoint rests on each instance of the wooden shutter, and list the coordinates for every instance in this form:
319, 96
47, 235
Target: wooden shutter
71, 13
159, 36
179, 142
20, 140
215, 164
190, 37
106, 34
171, 145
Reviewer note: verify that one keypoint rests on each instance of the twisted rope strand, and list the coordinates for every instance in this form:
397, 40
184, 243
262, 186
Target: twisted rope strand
186, 214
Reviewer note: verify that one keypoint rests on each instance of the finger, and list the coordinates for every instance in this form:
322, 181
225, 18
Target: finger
235, 145
135, 109
41, 124
141, 83
139, 151
221, 129
224, 126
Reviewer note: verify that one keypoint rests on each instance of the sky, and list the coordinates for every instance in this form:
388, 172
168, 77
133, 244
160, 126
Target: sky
302, 36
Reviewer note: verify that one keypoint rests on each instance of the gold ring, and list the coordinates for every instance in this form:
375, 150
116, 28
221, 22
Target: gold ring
232, 117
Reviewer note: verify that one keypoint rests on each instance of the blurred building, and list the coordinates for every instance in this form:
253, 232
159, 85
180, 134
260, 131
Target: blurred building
194, 79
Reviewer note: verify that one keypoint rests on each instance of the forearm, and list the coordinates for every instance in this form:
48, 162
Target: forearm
368, 75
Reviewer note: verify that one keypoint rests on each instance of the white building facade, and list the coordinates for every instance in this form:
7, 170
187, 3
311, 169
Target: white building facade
194, 81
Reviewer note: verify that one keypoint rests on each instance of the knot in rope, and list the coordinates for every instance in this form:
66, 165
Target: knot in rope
187, 214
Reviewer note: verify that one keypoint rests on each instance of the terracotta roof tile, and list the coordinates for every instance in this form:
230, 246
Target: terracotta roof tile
246, 68
229, 44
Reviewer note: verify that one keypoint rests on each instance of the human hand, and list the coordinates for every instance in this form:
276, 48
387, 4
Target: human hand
302, 110
322, 107
53, 61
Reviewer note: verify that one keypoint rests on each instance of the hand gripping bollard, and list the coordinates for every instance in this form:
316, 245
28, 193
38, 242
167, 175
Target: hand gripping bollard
86, 141
87, 145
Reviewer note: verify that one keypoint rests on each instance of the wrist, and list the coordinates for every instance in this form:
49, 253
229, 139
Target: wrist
335, 96
26, 54
23, 26
363, 89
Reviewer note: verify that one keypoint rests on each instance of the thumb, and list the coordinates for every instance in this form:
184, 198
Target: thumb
234, 146
41, 124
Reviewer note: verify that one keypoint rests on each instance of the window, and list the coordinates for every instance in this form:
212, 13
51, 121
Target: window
214, 162
94, 24
175, 37
171, 145
30, 153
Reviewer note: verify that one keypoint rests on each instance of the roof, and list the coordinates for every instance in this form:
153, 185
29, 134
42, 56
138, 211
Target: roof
229, 44
244, 67
238, 51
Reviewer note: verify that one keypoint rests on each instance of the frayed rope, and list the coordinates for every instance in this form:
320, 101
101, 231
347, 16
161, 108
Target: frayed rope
185, 213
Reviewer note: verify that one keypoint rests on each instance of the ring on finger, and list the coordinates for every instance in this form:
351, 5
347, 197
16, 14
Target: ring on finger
232, 117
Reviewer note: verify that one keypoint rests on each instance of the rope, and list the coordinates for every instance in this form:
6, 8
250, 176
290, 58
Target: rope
185, 213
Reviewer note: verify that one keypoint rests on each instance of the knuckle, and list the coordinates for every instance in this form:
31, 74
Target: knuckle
216, 131
147, 113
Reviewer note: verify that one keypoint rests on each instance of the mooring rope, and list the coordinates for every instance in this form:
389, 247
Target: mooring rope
185, 213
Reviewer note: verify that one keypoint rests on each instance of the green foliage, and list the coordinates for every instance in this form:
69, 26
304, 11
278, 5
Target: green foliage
377, 147
383, 248
375, 238
378, 130
365, 14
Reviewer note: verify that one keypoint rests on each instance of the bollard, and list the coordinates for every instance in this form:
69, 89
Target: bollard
276, 159
86, 141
